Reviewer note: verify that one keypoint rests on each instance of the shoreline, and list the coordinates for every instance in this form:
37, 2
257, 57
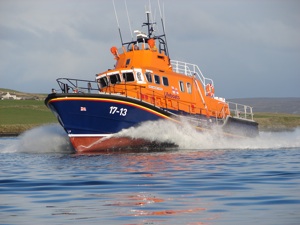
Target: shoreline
10, 134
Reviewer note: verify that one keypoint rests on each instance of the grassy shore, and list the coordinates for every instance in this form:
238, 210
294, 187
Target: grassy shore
17, 116
277, 121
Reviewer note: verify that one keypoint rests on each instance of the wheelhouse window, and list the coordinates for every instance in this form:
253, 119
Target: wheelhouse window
103, 82
181, 86
128, 76
156, 79
189, 87
139, 76
115, 78
165, 81
149, 77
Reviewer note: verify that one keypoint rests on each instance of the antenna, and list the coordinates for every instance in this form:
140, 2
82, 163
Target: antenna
117, 22
153, 16
164, 15
128, 19
153, 19
150, 10
163, 26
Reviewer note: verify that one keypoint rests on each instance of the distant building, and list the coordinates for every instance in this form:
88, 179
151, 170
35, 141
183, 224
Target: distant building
9, 96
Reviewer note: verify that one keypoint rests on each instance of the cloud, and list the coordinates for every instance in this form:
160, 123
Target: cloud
240, 44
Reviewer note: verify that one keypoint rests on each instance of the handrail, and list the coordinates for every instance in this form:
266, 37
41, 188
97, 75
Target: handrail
240, 111
76, 85
190, 69
68, 85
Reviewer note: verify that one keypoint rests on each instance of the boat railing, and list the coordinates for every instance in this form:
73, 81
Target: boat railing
240, 111
190, 69
71, 85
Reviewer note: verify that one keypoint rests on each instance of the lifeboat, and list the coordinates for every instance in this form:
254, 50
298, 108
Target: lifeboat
144, 85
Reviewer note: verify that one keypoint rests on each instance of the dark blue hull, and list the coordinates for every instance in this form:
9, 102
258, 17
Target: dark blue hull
100, 114
91, 120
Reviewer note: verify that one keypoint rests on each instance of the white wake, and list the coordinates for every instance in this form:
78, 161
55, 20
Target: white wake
186, 137
43, 139
53, 139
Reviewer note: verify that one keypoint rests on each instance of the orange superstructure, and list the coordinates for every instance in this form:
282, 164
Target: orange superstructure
144, 85
142, 71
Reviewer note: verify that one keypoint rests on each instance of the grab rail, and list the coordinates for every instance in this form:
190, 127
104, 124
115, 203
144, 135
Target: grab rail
71, 85
68, 85
240, 111
190, 69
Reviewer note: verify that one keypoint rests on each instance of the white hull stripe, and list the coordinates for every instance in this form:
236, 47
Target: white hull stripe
89, 135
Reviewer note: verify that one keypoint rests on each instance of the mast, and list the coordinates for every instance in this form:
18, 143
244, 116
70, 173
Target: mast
162, 40
149, 24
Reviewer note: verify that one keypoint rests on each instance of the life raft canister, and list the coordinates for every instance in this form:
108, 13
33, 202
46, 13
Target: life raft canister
210, 90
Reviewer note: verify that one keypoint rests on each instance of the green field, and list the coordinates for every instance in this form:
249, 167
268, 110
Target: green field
17, 116
277, 121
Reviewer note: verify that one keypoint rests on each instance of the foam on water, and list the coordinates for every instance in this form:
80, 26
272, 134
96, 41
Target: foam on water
43, 139
186, 137
53, 139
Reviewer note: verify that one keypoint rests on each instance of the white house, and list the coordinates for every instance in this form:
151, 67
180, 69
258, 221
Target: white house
9, 96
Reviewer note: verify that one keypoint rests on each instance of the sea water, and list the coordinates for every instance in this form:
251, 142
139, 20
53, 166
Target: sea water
205, 180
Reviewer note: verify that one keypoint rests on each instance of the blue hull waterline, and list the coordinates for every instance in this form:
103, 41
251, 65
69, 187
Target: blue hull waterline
100, 115
92, 120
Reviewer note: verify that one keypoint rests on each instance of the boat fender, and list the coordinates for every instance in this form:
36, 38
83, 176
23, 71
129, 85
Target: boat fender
210, 90
114, 51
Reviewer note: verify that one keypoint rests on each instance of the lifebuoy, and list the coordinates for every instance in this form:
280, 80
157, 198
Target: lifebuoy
210, 90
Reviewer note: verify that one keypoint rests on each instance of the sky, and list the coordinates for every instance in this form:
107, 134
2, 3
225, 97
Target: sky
250, 48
